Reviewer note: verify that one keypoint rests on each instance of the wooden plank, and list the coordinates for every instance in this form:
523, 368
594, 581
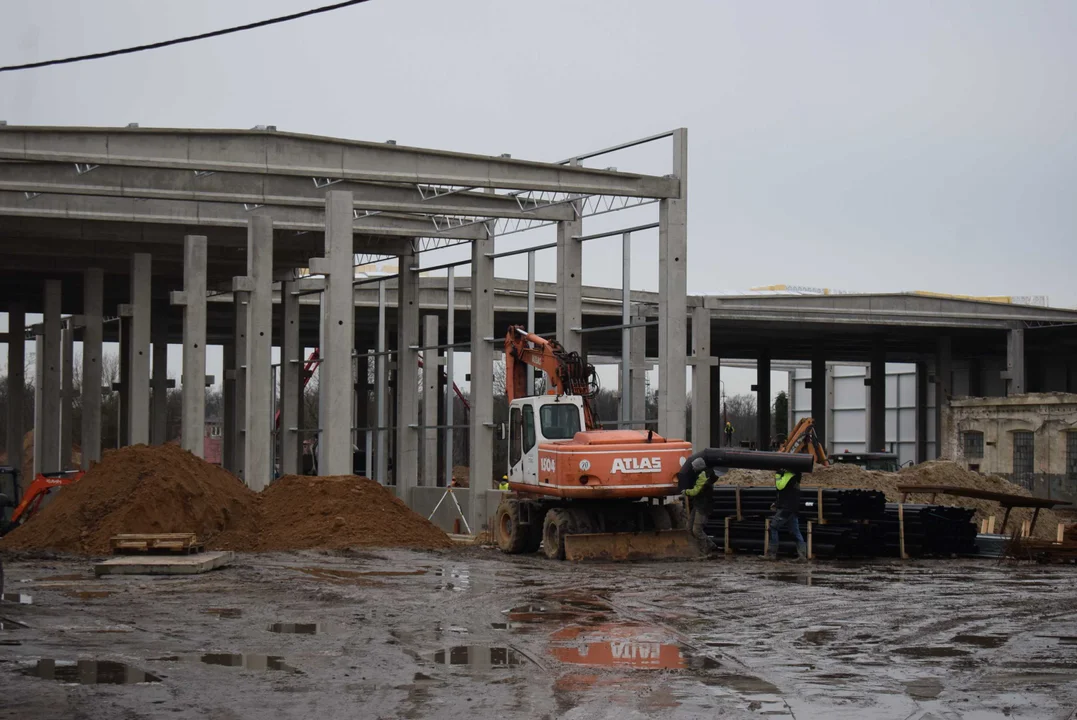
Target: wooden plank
1005, 518
164, 564
1061, 532
1004, 499
766, 538
901, 531
991, 525
728, 550
819, 504
811, 556
737, 494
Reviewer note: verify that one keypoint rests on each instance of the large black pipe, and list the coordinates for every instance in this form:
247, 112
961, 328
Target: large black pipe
758, 460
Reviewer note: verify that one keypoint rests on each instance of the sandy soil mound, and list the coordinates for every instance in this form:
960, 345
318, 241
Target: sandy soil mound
340, 512
934, 472
140, 489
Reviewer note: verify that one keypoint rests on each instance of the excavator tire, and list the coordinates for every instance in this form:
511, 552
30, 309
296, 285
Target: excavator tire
557, 525
533, 511
677, 516
512, 537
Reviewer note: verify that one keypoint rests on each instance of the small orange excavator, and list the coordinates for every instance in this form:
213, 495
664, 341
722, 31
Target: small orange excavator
804, 439
43, 484
576, 490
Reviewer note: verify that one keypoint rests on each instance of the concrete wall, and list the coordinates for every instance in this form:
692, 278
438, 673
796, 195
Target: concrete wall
423, 500
847, 402
1049, 416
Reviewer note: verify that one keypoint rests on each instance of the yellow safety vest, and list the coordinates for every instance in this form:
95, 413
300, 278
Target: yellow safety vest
782, 479
701, 482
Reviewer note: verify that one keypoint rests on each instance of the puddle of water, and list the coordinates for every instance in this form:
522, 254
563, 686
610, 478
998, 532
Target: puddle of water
391, 573
59, 578
818, 637
983, 641
340, 577
19, 598
479, 657
6, 624
247, 661
90, 672
931, 652
299, 628
88, 594
539, 614
815, 579
224, 612
924, 688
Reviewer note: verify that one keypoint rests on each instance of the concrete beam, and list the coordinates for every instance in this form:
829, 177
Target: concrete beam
338, 338
239, 401
253, 189
259, 405
124, 435
93, 299
407, 376
943, 390
431, 386
193, 300
39, 405
139, 388
921, 412
291, 391
569, 285
67, 393
673, 296
819, 408
48, 433
94, 207
637, 371
228, 431
16, 384
159, 379
701, 378
481, 417
278, 153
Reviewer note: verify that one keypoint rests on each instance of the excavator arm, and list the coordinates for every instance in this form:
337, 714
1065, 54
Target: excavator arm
804, 439
566, 372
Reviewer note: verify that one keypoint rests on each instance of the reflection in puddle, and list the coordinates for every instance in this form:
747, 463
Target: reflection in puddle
299, 628
817, 579
6, 624
479, 657
930, 652
224, 612
88, 594
924, 689
240, 660
623, 645
391, 573
983, 641
90, 672
17, 598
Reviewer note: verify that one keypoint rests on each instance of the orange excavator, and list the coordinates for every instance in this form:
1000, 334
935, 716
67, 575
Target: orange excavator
576, 490
805, 439
39, 489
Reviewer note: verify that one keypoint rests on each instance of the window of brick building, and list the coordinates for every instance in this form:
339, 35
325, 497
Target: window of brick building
974, 444
1024, 453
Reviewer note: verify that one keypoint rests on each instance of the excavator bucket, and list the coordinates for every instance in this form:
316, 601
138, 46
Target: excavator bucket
650, 545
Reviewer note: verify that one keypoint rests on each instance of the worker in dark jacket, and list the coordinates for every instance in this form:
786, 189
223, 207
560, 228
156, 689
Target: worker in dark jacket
696, 480
785, 518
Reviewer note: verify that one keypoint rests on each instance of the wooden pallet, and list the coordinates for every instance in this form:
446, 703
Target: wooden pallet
135, 543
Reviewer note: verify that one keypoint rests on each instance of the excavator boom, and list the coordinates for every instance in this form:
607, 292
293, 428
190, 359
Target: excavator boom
566, 372
804, 439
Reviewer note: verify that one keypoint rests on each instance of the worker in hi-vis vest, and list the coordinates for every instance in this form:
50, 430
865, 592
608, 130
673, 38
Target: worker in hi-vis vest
785, 518
728, 433
696, 480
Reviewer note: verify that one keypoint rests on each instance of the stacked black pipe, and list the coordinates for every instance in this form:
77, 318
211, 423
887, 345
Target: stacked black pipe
938, 530
839, 505
846, 540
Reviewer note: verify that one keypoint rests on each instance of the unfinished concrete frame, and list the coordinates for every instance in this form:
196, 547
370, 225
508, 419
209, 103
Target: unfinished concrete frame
379, 200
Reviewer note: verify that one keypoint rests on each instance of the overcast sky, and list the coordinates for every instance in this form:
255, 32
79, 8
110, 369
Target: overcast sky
871, 146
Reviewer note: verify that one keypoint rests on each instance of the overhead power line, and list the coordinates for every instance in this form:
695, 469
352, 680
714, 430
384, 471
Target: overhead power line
189, 38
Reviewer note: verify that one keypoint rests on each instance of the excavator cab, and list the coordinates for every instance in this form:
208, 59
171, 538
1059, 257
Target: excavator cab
539, 419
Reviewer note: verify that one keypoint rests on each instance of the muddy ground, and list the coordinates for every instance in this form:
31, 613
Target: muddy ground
472, 634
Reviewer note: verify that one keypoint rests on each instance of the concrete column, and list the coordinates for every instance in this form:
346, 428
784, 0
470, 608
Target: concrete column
407, 394
819, 392
637, 382
16, 384
877, 400
673, 296
193, 300
228, 431
717, 417
762, 399
239, 387
49, 434
569, 283
291, 364
138, 410
159, 378
39, 403
701, 378
257, 453
921, 412
943, 391
92, 339
362, 409
1015, 362
123, 437
67, 393
431, 387
338, 336
481, 418
381, 392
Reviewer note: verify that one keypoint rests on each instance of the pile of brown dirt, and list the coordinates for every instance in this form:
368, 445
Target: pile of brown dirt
934, 472
344, 511
140, 489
